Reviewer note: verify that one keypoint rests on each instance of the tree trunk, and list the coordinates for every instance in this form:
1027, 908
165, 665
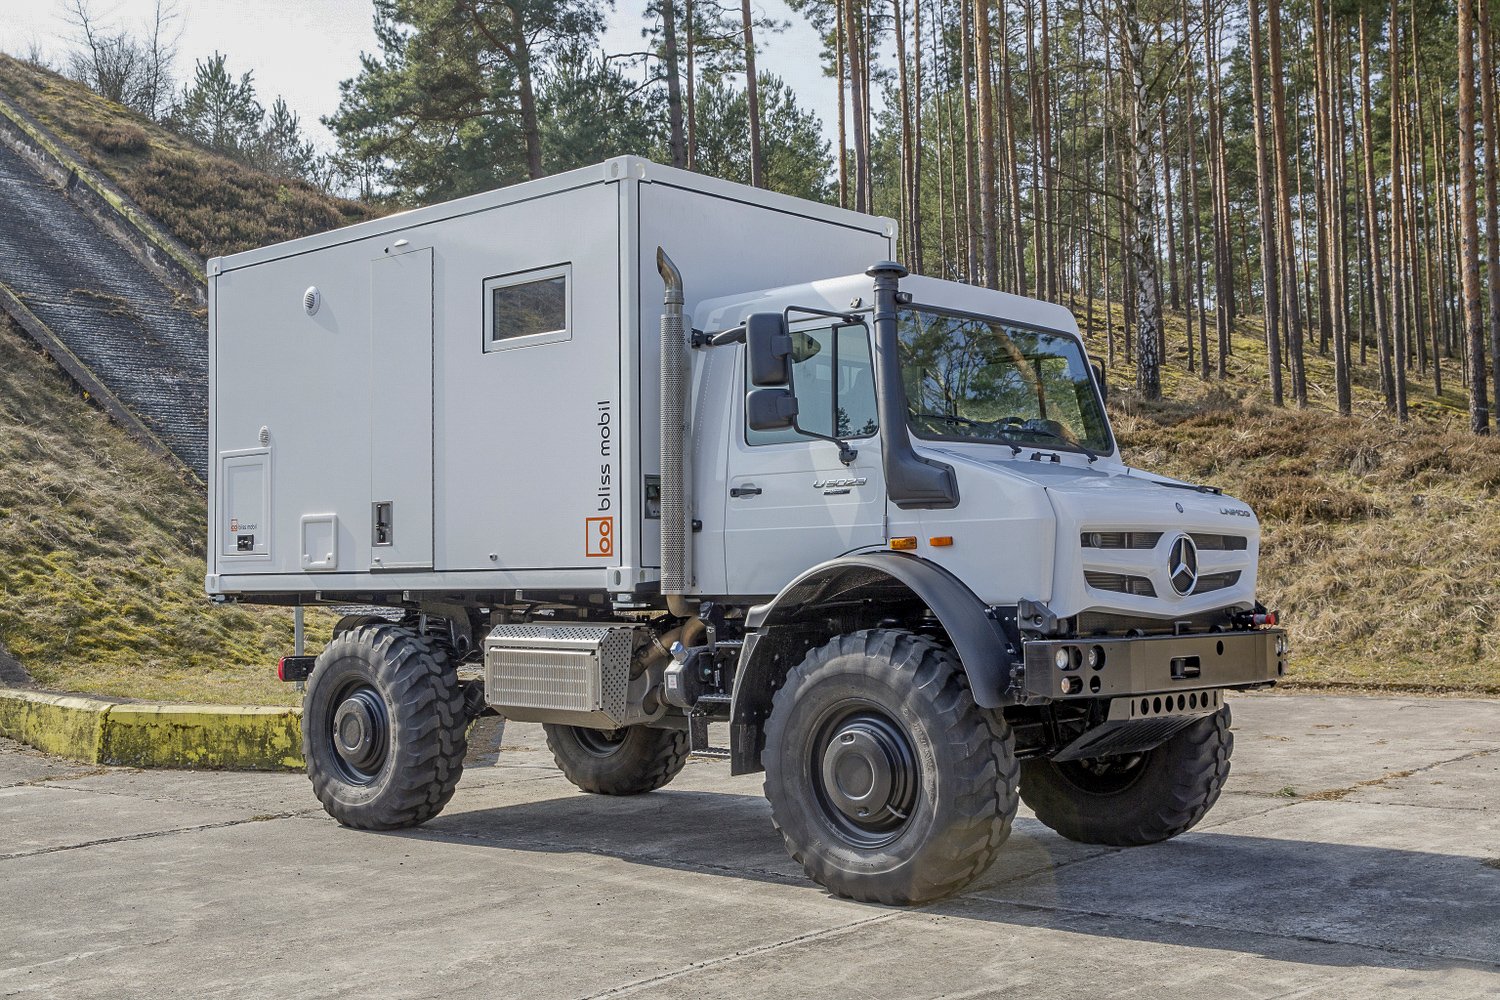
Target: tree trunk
1048, 216
1173, 293
1142, 208
852, 38
674, 84
1372, 221
1491, 114
903, 95
1399, 271
752, 97
1284, 207
1017, 246
1479, 407
838, 71
1271, 300
971, 169
916, 151
690, 28
986, 112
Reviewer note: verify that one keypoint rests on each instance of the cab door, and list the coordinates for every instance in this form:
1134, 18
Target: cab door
790, 502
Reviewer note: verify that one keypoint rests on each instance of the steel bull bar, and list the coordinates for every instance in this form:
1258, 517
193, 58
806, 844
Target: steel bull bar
1105, 667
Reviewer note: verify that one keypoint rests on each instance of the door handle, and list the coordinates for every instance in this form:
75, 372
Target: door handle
748, 490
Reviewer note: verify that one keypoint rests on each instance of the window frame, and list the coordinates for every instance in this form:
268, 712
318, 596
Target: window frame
514, 279
803, 438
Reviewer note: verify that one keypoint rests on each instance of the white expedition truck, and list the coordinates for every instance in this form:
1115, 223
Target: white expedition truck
629, 450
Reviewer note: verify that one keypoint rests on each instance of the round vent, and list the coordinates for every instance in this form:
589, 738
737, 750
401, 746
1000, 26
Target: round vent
310, 300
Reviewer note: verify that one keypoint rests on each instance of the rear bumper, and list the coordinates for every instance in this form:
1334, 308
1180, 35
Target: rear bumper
1151, 665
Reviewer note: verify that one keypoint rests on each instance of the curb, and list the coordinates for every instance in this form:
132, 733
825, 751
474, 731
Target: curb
97, 731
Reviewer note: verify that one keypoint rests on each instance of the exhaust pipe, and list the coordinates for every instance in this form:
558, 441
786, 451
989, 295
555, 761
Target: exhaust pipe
676, 529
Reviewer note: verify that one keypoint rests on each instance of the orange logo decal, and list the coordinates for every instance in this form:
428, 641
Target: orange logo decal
599, 536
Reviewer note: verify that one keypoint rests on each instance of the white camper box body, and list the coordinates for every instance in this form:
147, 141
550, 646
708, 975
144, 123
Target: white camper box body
355, 368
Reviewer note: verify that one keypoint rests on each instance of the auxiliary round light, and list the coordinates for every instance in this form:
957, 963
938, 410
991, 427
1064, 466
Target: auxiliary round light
1061, 658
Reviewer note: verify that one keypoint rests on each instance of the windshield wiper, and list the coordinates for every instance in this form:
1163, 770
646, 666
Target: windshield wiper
1089, 453
949, 418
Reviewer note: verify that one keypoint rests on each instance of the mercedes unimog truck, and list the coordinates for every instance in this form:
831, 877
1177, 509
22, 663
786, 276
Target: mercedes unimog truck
628, 451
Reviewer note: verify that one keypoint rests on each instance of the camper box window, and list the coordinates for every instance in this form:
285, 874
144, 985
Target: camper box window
526, 309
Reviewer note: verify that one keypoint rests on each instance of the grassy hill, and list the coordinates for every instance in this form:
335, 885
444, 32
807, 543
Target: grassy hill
1381, 540
101, 557
211, 203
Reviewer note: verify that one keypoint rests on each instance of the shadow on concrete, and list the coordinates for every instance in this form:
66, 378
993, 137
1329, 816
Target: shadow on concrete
1285, 899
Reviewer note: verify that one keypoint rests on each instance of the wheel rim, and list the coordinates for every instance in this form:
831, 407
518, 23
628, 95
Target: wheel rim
1104, 775
359, 731
599, 742
865, 775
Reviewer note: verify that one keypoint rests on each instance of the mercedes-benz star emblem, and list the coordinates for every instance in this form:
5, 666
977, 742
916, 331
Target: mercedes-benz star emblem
1182, 565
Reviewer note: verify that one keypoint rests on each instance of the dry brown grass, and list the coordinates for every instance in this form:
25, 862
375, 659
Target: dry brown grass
1381, 541
213, 204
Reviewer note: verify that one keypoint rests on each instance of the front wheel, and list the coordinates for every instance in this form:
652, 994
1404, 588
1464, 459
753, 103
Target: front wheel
1134, 799
887, 782
383, 728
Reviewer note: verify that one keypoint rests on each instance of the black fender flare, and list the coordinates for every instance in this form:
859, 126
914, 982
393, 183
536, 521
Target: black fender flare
977, 636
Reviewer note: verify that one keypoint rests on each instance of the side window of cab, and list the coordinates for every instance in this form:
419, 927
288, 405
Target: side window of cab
834, 376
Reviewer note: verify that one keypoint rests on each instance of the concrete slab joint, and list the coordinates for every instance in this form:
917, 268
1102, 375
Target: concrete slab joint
98, 731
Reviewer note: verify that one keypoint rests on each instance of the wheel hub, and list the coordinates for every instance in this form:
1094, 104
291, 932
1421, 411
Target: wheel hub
869, 772
360, 730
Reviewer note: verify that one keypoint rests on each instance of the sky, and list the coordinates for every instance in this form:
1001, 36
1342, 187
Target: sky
301, 49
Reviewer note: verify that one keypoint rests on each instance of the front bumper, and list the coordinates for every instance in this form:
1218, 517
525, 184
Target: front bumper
1103, 667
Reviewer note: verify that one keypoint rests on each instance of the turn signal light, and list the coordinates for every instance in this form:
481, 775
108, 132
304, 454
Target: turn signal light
903, 544
940, 540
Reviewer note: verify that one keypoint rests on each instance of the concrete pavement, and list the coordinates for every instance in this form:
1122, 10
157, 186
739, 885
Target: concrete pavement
1355, 854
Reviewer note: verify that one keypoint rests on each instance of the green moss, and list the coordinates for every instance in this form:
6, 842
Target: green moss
101, 558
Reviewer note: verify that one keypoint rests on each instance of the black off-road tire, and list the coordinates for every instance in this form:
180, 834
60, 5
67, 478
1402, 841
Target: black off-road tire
348, 623
628, 761
952, 787
1165, 793
413, 714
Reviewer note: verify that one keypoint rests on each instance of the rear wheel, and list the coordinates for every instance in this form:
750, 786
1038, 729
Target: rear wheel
383, 728
1134, 799
887, 782
625, 761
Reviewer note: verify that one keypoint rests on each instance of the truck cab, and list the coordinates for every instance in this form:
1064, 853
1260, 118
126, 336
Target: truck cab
877, 523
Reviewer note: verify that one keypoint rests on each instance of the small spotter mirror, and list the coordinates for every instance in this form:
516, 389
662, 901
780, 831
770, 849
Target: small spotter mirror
771, 408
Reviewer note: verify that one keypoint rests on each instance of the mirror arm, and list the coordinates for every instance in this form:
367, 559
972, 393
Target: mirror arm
733, 335
847, 453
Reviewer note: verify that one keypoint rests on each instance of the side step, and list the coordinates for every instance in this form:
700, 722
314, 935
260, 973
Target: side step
698, 729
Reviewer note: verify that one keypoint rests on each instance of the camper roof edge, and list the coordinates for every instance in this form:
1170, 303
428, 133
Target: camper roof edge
619, 168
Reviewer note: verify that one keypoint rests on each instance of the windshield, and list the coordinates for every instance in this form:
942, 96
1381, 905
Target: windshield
974, 379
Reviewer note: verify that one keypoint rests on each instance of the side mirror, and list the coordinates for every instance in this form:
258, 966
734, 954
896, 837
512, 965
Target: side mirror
770, 409
768, 349
1099, 380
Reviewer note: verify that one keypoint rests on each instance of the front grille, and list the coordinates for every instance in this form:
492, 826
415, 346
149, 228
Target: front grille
1216, 581
1120, 583
1120, 539
1220, 543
